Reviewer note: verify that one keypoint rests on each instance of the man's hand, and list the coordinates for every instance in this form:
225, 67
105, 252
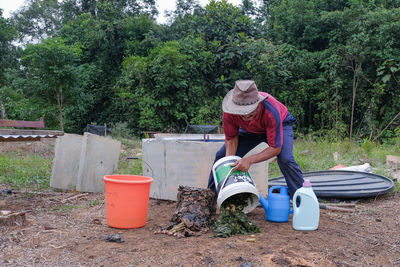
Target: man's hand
242, 165
245, 163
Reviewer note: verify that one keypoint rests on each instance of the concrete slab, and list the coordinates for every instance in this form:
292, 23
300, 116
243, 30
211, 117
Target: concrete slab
80, 162
173, 162
66, 159
99, 157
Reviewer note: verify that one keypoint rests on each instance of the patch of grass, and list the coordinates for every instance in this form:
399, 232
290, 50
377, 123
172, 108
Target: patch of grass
20, 170
27, 195
94, 202
65, 207
396, 187
128, 164
131, 166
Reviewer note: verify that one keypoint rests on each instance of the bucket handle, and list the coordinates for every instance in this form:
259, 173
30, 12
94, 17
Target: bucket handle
223, 184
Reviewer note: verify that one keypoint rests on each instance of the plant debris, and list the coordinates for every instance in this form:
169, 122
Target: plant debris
233, 220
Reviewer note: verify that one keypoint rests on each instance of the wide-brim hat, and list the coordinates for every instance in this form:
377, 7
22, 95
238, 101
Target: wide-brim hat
242, 99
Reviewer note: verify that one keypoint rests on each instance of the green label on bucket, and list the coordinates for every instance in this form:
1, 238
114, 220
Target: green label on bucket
222, 171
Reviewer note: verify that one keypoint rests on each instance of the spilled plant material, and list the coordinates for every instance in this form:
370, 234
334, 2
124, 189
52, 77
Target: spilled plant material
232, 220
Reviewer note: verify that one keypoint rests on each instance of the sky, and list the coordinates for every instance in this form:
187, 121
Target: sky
9, 6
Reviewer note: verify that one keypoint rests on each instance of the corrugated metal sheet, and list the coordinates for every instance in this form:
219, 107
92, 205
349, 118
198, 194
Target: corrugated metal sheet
16, 138
344, 184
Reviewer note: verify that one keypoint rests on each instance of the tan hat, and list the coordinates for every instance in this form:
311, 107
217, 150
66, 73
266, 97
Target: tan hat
242, 99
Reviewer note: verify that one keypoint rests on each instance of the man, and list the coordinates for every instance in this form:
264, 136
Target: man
251, 117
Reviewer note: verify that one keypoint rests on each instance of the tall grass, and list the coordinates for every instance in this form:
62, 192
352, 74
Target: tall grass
316, 156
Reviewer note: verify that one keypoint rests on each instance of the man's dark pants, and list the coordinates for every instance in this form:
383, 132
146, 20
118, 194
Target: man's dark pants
286, 162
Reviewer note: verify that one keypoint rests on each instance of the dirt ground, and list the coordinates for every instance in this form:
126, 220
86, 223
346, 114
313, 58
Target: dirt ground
69, 229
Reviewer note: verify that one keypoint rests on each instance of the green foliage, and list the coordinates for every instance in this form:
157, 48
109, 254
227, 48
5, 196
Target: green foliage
38, 19
396, 187
7, 51
141, 35
368, 146
232, 220
210, 113
167, 85
55, 66
334, 64
121, 130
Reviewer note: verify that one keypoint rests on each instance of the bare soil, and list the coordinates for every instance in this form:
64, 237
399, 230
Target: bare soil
69, 229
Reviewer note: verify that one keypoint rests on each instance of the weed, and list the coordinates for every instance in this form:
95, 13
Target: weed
28, 195
94, 202
396, 187
372, 210
65, 207
368, 146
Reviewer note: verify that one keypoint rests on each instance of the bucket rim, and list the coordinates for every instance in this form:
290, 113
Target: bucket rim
234, 189
225, 159
113, 178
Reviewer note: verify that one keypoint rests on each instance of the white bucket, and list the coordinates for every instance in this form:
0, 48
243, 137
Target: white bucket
228, 183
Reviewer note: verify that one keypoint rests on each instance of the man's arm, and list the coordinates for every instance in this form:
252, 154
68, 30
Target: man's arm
231, 146
245, 163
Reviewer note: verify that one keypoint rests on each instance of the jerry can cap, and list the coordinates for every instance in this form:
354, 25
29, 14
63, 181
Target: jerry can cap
306, 183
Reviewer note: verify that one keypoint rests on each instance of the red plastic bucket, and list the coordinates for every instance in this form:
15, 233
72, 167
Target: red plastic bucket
127, 200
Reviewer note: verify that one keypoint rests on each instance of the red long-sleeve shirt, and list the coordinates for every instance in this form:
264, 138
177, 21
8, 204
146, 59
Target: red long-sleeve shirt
268, 120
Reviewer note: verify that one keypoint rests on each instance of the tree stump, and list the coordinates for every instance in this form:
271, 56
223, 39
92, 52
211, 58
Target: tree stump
8, 218
193, 214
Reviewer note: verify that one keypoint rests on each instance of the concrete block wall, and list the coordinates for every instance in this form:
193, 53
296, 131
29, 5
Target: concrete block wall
80, 162
181, 160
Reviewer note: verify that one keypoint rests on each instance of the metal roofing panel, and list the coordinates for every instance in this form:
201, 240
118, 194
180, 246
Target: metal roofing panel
11, 138
343, 183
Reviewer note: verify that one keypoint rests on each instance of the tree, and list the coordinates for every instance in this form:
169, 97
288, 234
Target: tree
165, 89
7, 49
55, 68
38, 19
